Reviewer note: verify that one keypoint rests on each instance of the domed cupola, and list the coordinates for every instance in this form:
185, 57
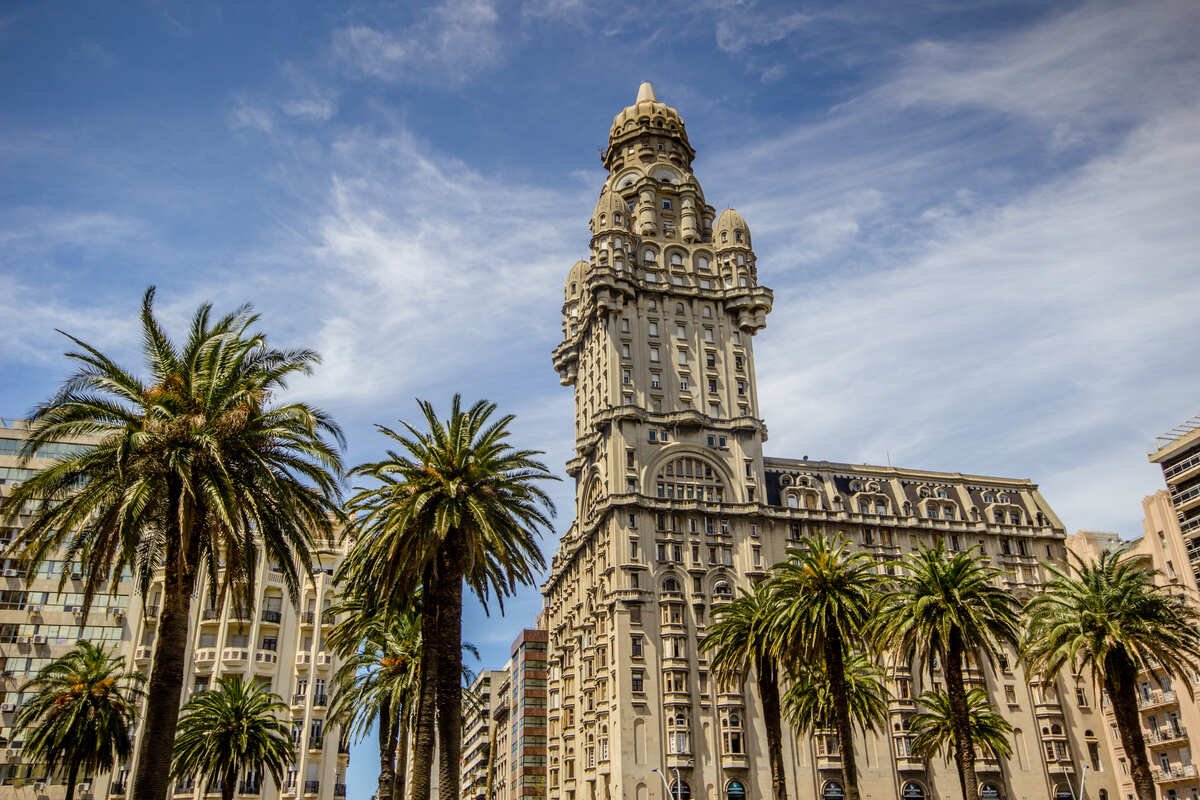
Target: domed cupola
655, 124
611, 214
575, 286
731, 231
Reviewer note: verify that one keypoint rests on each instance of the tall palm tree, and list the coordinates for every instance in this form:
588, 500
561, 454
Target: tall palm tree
810, 704
933, 726
193, 469
79, 716
739, 640
823, 592
1110, 618
377, 683
454, 502
232, 731
943, 607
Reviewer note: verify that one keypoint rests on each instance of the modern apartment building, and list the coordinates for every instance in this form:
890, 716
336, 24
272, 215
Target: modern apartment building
479, 731
1178, 454
38, 624
273, 642
677, 508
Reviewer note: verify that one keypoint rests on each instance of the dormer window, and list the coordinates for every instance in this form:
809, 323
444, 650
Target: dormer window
603, 219
738, 236
616, 218
724, 236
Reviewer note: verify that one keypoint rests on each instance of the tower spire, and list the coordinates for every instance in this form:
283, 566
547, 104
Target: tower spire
646, 93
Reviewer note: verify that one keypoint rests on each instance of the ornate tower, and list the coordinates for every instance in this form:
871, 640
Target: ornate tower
658, 327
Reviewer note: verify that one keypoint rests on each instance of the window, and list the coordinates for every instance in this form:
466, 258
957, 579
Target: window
635, 646
681, 357
637, 681
652, 328
626, 376
1010, 694
666, 205
655, 381
625, 324
708, 334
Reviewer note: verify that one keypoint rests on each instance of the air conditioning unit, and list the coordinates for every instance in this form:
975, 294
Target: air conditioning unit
39, 787
10, 573
27, 638
69, 609
39, 639
34, 609
77, 576
116, 611
302, 658
8, 707
86, 786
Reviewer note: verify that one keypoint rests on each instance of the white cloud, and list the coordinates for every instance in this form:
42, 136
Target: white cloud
315, 109
745, 27
246, 116
450, 44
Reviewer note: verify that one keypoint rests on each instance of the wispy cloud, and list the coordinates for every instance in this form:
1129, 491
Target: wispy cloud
451, 43
245, 115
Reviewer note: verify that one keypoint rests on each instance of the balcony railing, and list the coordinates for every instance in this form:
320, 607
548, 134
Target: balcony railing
1175, 773
1182, 467
312, 787
316, 742
321, 700
1158, 697
339, 790
270, 615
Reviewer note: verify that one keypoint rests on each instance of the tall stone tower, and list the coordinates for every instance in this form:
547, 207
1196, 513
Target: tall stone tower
658, 328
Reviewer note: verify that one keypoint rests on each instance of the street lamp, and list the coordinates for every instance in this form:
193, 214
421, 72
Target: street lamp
660, 774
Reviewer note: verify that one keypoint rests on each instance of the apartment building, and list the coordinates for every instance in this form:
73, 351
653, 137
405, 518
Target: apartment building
677, 508
271, 641
479, 732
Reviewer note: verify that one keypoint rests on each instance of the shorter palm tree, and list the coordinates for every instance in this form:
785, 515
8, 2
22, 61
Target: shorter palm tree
83, 706
933, 726
1112, 619
809, 703
231, 731
945, 608
739, 640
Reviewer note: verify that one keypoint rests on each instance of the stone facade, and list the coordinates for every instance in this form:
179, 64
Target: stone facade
677, 508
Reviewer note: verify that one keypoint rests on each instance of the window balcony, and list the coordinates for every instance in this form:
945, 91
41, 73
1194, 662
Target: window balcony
272, 616
312, 787
1176, 773
1165, 737
339, 790
1157, 698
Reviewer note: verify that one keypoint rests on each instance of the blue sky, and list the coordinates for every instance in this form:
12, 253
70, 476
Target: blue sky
980, 218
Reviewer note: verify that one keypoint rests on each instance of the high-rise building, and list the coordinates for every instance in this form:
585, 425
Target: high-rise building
1178, 454
270, 641
479, 732
39, 623
677, 508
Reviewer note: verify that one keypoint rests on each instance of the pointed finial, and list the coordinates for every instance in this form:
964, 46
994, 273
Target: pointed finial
646, 93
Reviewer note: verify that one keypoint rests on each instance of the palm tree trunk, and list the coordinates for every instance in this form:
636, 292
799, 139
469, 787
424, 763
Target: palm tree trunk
72, 777
423, 721
399, 782
229, 785
835, 668
956, 691
768, 692
387, 752
152, 772
449, 691
1120, 676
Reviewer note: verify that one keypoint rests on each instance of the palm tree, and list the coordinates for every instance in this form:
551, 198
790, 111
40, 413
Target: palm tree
933, 726
942, 608
234, 730
809, 702
739, 639
823, 593
79, 716
1112, 619
377, 683
455, 502
195, 473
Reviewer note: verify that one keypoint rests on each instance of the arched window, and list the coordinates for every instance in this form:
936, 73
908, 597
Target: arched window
724, 236
701, 262
676, 260
689, 478
671, 586
617, 218
649, 256
707, 312
722, 590
793, 501
679, 308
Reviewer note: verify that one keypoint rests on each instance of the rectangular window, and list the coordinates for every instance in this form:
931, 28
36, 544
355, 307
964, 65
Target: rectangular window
624, 351
1010, 694
660, 551
757, 556
655, 380
635, 646
625, 324
712, 385
633, 549
681, 357
654, 355
652, 328
626, 376
637, 682
680, 332
708, 334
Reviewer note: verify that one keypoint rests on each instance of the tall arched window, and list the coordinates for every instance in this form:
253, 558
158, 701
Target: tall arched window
688, 478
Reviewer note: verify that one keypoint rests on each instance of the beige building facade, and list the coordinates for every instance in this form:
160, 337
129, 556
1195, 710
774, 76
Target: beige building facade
274, 642
677, 508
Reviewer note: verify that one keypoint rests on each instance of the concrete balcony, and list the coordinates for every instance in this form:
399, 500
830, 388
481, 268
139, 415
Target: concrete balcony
1157, 699
1177, 773
235, 655
1180, 472
1165, 737
908, 764
205, 656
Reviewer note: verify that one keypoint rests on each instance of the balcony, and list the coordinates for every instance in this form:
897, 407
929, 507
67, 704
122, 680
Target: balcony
266, 658
206, 655
1177, 772
299, 698
312, 787
308, 618
339, 790
272, 616
321, 700
151, 614
1177, 472
235, 655
316, 743
1165, 737
1157, 698
1183, 500
210, 614
142, 654
250, 787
